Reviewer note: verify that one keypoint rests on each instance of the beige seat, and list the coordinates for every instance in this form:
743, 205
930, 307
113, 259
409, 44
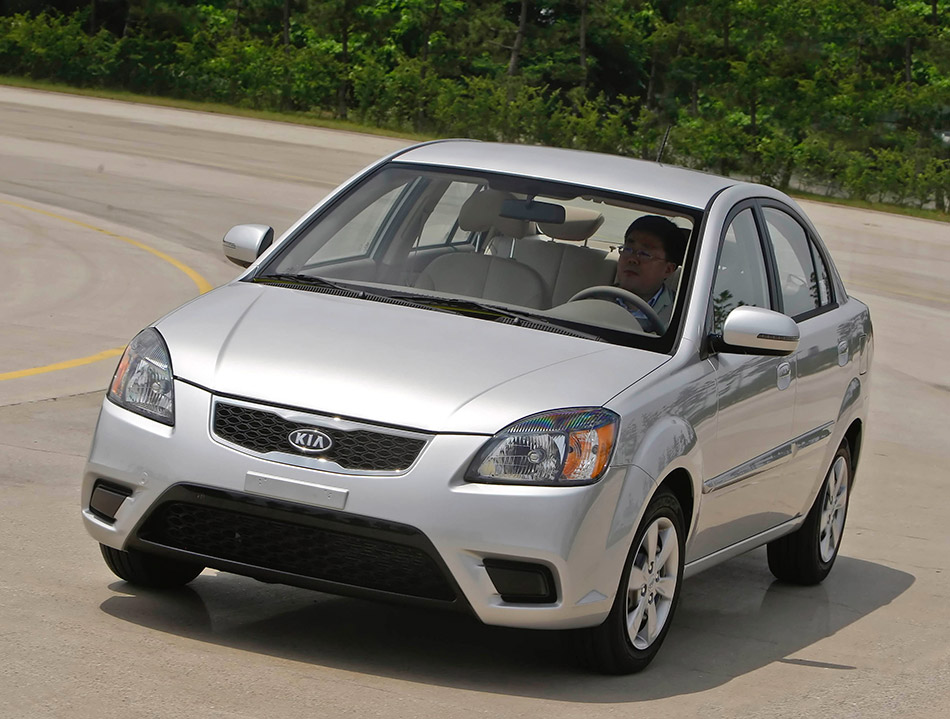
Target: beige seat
484, 276
489, 277
567, 268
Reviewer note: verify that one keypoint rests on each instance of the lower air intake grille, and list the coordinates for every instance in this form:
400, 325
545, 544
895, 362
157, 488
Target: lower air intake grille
300, 549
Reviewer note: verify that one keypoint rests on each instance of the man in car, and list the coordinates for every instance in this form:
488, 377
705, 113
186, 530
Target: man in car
652, 250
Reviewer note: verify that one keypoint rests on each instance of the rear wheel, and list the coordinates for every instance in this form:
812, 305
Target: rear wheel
807, 555
646, 600
149, 570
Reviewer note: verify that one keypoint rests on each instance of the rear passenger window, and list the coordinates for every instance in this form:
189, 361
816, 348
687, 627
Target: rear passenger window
740, 278
441, 227
821, 269
802, 275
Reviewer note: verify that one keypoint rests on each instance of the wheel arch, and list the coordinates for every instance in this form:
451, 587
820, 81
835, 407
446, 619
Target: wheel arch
670, 454
854, 436
680, 484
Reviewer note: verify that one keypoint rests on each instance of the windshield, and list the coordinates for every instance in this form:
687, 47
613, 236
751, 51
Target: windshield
492, 246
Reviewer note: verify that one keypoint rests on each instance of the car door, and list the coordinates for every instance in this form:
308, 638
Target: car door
825, 350
743, 464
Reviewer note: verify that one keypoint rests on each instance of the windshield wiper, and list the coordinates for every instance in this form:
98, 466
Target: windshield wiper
309, 281
540, 322
454, 305
474, 308
318, 284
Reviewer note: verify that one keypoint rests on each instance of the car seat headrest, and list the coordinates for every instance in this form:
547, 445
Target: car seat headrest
481, 212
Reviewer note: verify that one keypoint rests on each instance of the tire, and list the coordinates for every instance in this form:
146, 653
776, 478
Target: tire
807, 555
149, 570
646, 598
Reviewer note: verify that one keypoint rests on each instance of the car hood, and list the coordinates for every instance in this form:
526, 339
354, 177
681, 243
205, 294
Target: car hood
388, 364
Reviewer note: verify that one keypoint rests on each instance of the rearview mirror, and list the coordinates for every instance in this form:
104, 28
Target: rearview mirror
532, 211
245, 243
757, 331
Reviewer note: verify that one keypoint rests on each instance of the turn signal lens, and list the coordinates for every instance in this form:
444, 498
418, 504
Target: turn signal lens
563, 447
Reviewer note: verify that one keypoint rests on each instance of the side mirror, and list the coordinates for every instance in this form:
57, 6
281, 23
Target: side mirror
757, 331
245, 243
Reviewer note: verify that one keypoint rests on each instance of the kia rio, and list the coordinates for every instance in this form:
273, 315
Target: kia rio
541, 386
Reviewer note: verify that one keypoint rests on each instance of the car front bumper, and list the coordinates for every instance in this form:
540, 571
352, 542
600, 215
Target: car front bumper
581, 535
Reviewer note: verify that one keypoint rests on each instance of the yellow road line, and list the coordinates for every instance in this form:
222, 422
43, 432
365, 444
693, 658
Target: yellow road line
68, 364
200, 282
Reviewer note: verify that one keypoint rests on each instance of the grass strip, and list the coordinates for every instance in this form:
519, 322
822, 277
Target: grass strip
923, 214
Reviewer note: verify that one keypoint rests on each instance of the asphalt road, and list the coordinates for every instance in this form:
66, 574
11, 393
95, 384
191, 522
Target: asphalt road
111, 215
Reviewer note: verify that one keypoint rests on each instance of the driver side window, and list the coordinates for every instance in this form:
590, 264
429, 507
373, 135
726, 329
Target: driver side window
802, 275
740, 276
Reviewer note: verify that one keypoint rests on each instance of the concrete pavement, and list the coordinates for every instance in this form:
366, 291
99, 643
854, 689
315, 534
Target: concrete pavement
872, 641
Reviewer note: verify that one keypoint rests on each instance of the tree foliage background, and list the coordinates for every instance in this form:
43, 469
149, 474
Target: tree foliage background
839, 96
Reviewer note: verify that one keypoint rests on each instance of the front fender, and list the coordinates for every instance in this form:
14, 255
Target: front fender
669, 444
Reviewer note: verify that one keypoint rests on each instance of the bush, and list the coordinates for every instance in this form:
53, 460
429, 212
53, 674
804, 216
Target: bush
868, 149
400, 98
55, 47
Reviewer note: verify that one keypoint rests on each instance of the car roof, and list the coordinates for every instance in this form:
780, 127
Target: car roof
590, 169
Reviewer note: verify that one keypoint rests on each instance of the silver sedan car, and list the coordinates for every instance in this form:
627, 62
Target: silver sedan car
537, 385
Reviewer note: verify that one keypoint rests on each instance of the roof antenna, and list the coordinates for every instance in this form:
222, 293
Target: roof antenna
666, 136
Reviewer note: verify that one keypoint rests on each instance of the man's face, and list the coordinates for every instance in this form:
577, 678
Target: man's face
642, 273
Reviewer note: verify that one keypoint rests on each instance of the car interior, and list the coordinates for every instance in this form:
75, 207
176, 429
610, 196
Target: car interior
458, 235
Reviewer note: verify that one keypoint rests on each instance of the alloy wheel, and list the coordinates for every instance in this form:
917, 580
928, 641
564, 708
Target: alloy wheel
833, 509
652, 583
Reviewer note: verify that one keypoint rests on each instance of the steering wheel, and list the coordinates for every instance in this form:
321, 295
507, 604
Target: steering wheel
628, 298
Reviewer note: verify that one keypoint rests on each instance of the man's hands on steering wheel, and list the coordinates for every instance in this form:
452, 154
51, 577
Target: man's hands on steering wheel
654, 323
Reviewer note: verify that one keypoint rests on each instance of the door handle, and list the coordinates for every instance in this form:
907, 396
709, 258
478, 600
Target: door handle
784, 375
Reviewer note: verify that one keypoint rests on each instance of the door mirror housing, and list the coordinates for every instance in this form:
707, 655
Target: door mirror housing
757, 331
245, 243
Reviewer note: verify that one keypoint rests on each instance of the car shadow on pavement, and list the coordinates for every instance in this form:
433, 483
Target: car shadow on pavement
731, 621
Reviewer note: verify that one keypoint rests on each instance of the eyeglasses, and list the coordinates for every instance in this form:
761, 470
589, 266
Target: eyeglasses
641, 255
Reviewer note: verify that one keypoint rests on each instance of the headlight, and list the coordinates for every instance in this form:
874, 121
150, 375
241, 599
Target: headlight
563, 447
143, 380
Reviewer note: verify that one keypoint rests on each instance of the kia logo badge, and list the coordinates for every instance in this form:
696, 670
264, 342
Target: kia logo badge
310, 441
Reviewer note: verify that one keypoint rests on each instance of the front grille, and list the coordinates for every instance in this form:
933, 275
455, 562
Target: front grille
263, 431
334, 555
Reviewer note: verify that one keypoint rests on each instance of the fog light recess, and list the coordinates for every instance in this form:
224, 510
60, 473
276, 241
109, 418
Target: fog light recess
106, 500
521, 582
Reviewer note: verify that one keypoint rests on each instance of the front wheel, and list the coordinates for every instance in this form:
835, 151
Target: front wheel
806, 555
647, 597
149, 570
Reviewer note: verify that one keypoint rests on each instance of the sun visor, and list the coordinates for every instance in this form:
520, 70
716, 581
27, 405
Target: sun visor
579, 224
